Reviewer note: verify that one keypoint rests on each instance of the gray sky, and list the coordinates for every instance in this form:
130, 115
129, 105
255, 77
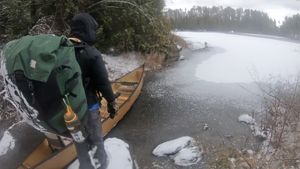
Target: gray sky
276, 9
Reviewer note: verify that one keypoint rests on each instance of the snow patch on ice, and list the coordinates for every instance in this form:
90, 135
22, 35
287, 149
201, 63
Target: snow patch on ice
182, 150
74, 165
7, 143
117, 153
246, 119
245, 59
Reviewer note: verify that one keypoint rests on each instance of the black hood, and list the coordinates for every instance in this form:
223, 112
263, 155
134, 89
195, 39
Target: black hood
84, 26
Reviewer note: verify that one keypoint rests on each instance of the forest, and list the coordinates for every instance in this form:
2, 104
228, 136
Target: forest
136, 25
229, 19
125, 25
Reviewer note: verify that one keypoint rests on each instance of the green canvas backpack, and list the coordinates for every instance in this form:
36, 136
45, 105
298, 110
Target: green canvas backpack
44, 68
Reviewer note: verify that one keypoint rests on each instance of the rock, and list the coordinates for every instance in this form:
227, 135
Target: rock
229, 136
246, 119
183, 151
205, 127
181, 57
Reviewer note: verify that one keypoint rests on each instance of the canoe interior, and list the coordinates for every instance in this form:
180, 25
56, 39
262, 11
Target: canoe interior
45, 157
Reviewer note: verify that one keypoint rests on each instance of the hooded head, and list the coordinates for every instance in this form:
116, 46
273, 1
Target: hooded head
84, 26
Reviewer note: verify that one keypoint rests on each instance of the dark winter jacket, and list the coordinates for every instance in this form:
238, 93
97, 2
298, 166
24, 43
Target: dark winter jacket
94, 74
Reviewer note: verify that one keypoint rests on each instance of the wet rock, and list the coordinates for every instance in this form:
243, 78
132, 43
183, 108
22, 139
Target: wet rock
205, 127
228, 136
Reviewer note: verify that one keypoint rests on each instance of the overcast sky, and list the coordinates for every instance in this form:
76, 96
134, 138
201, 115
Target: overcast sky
276, 9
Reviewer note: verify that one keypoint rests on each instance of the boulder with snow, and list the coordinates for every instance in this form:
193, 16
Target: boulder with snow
182, 151
172, 147
245, 118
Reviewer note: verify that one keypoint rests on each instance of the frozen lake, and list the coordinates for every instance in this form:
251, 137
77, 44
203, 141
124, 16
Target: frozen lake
245, 58
196, 97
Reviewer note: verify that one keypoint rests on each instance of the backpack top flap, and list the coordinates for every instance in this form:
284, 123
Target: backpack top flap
37, 55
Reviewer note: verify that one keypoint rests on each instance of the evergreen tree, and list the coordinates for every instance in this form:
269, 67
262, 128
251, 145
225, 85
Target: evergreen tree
126, 25
222, 19
291, 27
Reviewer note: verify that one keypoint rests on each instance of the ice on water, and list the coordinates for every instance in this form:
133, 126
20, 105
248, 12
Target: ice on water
245, 59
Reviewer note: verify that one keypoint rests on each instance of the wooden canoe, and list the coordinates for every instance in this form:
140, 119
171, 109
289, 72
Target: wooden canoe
44, 157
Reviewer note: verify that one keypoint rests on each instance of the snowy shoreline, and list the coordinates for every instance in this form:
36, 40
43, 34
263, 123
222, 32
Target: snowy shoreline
117, 66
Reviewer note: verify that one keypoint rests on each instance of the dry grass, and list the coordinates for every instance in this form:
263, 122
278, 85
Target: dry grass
282, 104
282, 148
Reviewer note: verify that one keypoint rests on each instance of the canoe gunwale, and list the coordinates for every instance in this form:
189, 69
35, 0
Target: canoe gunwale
139, 82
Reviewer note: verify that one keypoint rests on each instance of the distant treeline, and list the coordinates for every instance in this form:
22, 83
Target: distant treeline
229, 19
291, 27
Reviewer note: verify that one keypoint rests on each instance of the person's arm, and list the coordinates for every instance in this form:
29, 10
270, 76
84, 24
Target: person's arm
100, 78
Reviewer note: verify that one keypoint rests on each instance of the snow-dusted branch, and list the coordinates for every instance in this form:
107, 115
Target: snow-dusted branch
142, 11
2, 92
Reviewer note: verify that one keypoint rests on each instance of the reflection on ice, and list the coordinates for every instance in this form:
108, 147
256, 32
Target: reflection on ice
245, 58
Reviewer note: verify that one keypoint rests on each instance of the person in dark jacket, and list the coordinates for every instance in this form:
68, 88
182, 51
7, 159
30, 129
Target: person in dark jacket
95, 79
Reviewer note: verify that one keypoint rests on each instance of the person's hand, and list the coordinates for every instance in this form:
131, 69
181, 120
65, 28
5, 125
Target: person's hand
112, 109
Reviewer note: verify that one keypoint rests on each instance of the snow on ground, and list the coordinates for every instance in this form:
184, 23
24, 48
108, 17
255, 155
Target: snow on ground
118, 155
118, 66
245, 59
182, 150
7, 143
